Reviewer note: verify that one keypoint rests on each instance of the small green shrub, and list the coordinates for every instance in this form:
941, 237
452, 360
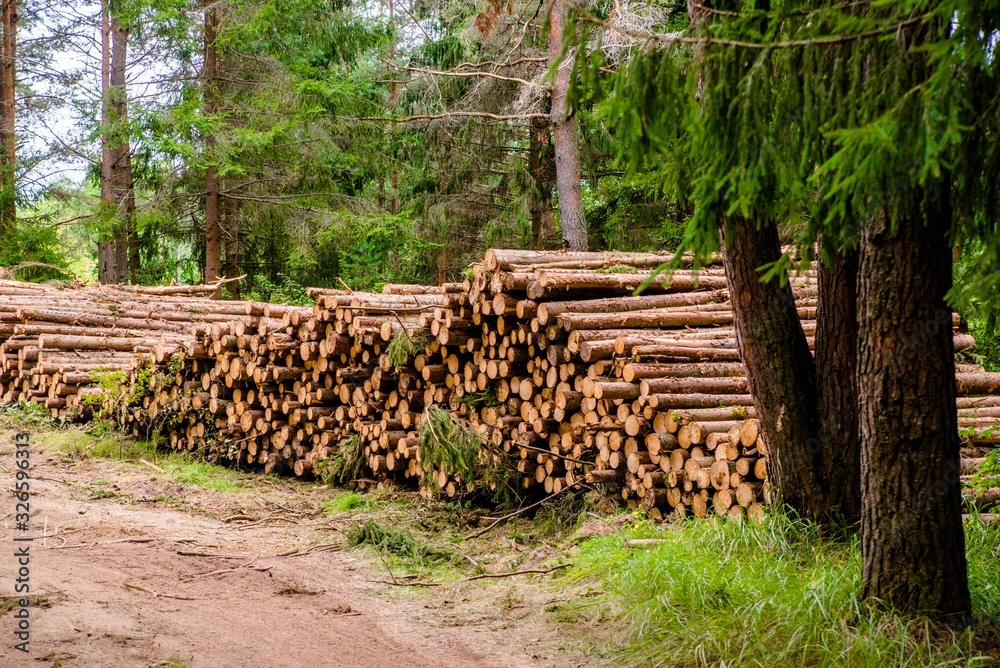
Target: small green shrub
988, 474
26, 414
346, 503
397, 542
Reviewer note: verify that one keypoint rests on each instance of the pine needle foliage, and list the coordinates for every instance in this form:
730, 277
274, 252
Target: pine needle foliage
398, 542
346, 465
814, 116
447, 443
406, 344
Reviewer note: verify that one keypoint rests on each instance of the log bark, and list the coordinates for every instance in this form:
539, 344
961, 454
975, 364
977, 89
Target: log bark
780, 367
836, 347
8, 133
912, 543
564, 137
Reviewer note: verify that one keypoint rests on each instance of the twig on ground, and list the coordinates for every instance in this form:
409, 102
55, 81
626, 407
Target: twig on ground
643, 542
151, 465
267, 519
156, 594
406, 584
529, 571
479, 533
189, 578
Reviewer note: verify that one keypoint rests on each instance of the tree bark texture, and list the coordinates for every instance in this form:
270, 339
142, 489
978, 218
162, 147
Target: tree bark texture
118, 251
213, 227
8, 134
107, 271
913, 546
836, 348
780, 366
230, 212
564, 137
541, 165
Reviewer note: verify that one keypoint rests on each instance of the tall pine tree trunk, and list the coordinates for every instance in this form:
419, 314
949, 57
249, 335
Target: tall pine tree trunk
8, 134
912, 542
837, 387
229, 207
780, 367
107, 269
564, 138
213, 227
118, 258
122, 186
541, 168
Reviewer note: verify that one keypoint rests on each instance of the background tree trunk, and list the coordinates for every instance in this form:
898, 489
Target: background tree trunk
780, 367
564, 136
213, 228
107, 271
542, 170
230, 212
912, 543
122, 186
118, 257
837, 387
8, 133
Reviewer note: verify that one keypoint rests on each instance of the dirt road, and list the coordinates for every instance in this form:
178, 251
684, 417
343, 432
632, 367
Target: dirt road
123, 577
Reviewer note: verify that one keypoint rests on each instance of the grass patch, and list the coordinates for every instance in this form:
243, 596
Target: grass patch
350, 501
25, 414
204, 475
768, 594
98, 443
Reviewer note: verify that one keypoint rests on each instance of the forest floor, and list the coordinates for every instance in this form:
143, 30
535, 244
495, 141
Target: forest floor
154, 559
195, 565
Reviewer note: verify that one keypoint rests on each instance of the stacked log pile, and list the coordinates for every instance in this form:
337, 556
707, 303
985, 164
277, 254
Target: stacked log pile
566, 377
55, 341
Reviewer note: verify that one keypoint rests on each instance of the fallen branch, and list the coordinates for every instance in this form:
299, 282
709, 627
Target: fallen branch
479, 533
530, 571
643, 542
156, 594
221, 571
151, 465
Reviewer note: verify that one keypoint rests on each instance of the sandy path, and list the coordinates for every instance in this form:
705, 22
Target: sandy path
319, 609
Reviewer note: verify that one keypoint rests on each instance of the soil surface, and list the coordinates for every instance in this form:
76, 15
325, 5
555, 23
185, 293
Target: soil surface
131, 568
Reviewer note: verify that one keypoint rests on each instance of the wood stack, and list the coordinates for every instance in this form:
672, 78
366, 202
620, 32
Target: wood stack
55, 341
547, 355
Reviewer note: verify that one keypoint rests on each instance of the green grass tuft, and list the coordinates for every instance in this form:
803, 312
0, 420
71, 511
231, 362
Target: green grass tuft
390, 540
770, 594
205, 475
107, 444
25, 414
348, 502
